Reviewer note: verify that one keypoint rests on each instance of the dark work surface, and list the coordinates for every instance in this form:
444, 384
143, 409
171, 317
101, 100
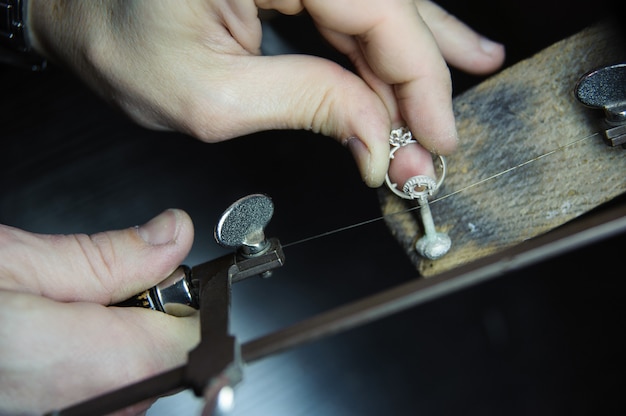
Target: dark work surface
541, 342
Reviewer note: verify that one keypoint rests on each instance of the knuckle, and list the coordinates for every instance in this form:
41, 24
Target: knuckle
329, 100
100, 259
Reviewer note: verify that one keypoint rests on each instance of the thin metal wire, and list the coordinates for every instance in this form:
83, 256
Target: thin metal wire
441, 198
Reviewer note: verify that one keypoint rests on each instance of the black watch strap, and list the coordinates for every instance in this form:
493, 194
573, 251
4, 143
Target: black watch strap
15, 48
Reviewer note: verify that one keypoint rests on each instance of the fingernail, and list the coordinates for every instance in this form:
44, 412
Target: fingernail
160, 230
361, 154
488, 46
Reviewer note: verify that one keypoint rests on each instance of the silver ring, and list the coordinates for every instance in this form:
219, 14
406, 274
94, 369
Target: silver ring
419, 187
402, 137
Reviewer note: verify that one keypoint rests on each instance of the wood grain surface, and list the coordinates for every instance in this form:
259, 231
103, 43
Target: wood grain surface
529, 159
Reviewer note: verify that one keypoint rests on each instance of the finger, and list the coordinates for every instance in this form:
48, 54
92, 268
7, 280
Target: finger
57, 354
461, 46
349, 45
409, 161
242, 20
300, 92
105, 268
289, 7
402, 52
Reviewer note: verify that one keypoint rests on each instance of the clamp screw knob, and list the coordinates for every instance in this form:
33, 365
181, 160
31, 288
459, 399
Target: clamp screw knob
605, 89
242, 225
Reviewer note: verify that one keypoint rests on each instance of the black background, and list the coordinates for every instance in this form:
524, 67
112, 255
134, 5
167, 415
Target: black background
542, 341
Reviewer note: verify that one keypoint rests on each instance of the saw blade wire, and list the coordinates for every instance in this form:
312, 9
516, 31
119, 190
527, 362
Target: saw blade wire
446, 196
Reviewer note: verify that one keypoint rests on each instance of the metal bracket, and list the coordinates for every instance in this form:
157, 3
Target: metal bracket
215, 364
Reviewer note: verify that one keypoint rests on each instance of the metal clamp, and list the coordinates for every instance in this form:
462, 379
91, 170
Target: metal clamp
215, 365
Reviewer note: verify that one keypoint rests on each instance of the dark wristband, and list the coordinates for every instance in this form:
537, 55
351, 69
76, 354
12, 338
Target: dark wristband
15, 47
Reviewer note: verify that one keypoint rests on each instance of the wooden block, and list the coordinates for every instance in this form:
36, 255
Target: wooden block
531, 157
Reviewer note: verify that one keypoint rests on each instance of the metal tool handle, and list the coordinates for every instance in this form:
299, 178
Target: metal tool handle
207, 286
241, 226
175, 295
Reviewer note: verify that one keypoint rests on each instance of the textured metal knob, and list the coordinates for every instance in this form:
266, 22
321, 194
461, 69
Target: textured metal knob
242, 225
605, 89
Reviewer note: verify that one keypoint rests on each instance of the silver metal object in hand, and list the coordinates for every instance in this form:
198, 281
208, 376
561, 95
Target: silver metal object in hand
433, 244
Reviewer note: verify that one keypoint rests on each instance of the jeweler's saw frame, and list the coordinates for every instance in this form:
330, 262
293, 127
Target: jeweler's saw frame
215, 366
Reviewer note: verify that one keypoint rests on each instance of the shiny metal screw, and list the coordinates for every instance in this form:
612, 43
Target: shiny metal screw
433, 244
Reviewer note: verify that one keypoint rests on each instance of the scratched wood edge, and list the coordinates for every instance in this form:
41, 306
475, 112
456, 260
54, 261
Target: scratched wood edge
523, 112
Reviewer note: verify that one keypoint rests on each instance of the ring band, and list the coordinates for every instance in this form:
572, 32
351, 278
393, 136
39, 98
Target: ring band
402, 137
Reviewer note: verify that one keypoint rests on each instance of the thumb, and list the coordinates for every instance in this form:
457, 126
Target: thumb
311, 93
104, 268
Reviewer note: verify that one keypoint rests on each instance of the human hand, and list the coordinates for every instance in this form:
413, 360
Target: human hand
59, 342
194, 66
